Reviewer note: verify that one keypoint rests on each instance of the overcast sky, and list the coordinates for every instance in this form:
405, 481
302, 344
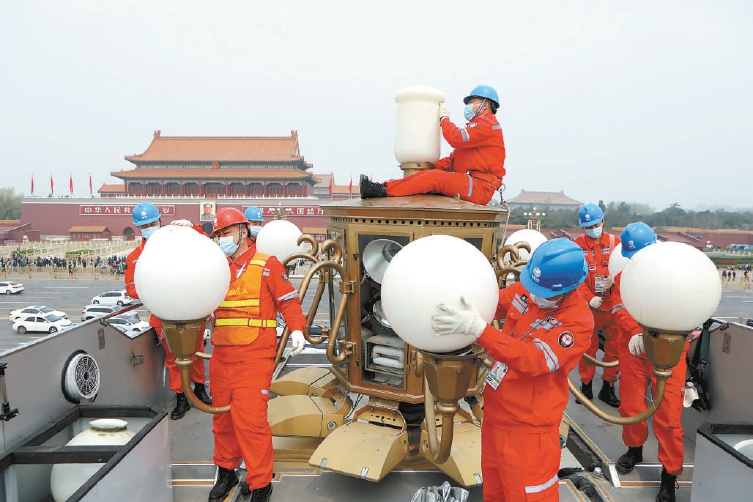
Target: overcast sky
646, 101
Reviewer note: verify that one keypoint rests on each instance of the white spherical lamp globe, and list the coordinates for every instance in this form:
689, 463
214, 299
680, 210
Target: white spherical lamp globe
616, 261
433, 270
280, 239
181, 275
670, 286
534, 238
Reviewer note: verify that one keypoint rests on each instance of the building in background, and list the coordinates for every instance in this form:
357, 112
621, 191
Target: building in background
182, 175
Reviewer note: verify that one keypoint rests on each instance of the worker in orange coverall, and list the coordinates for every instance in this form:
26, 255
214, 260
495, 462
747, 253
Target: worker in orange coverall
637, 374
243, 361
148, 220
597, 247
474, 169
547, 329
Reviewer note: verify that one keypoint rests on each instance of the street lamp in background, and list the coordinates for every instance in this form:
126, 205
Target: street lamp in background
534, 219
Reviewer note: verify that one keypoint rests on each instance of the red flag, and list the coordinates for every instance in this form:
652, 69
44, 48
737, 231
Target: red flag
90, 183
52, 185
32, 184
350, 187
70, 184
330, 186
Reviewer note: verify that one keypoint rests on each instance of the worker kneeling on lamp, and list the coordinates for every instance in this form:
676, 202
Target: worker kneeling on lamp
548, 327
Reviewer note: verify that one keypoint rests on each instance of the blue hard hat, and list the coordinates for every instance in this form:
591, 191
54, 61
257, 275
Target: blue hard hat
145, 213
590, 214
253, 213
556, 267
635, 237
483, 91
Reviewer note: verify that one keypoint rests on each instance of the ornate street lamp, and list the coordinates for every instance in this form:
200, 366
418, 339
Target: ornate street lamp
181, 277
669, 288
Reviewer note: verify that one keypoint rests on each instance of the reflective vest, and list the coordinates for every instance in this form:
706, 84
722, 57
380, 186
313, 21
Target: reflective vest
238, 319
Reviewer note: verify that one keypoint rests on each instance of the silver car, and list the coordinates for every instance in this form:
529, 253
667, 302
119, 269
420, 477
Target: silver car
94, 311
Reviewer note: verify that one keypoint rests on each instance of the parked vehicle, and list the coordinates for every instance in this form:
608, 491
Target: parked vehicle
49, 323
94, 311
35, 310
128, 324
119, 297
10, 287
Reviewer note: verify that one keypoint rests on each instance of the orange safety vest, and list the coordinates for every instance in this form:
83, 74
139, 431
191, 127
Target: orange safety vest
238, 319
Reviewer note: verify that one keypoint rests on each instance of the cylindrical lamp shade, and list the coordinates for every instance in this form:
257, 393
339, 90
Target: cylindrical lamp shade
280, 239
617, 262
670, 286
417, 135
433, 270
181, 275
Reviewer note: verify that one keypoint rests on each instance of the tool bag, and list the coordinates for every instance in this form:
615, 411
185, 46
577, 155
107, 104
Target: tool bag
698, 371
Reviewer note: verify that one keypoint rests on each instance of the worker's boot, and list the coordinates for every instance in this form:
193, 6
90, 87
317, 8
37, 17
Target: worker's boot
667, 489
226, 480
587, 390
181, 407
607, 395
627, 461
369, 189
258, 495
201, 393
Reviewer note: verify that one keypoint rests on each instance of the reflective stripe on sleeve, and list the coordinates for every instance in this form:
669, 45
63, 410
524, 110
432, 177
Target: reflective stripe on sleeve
289, 296
518, 303
470, 185
551, 358
543, 486
255, 323
465, 135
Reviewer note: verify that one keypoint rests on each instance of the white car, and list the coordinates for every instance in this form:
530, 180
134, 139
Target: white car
93, 311
10, 287
35, 310
49, 323
128, 324
113, 298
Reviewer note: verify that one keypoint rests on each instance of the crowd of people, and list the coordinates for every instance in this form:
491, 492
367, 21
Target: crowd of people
19, 262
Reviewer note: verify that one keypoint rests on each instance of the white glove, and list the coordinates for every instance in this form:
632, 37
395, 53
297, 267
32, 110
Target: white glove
181, 223
596, 302
458, 322
443, 112
298, 341
207, 334
635, 345
607, 282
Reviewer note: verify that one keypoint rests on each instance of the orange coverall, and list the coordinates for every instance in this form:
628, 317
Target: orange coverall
243, 361
597, 253
636, 375
197, 368
474, 169
520, 443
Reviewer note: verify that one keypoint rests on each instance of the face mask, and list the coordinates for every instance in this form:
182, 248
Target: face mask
147, 232
228, 245
544, 303
594, 233
468, 112
254, 231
